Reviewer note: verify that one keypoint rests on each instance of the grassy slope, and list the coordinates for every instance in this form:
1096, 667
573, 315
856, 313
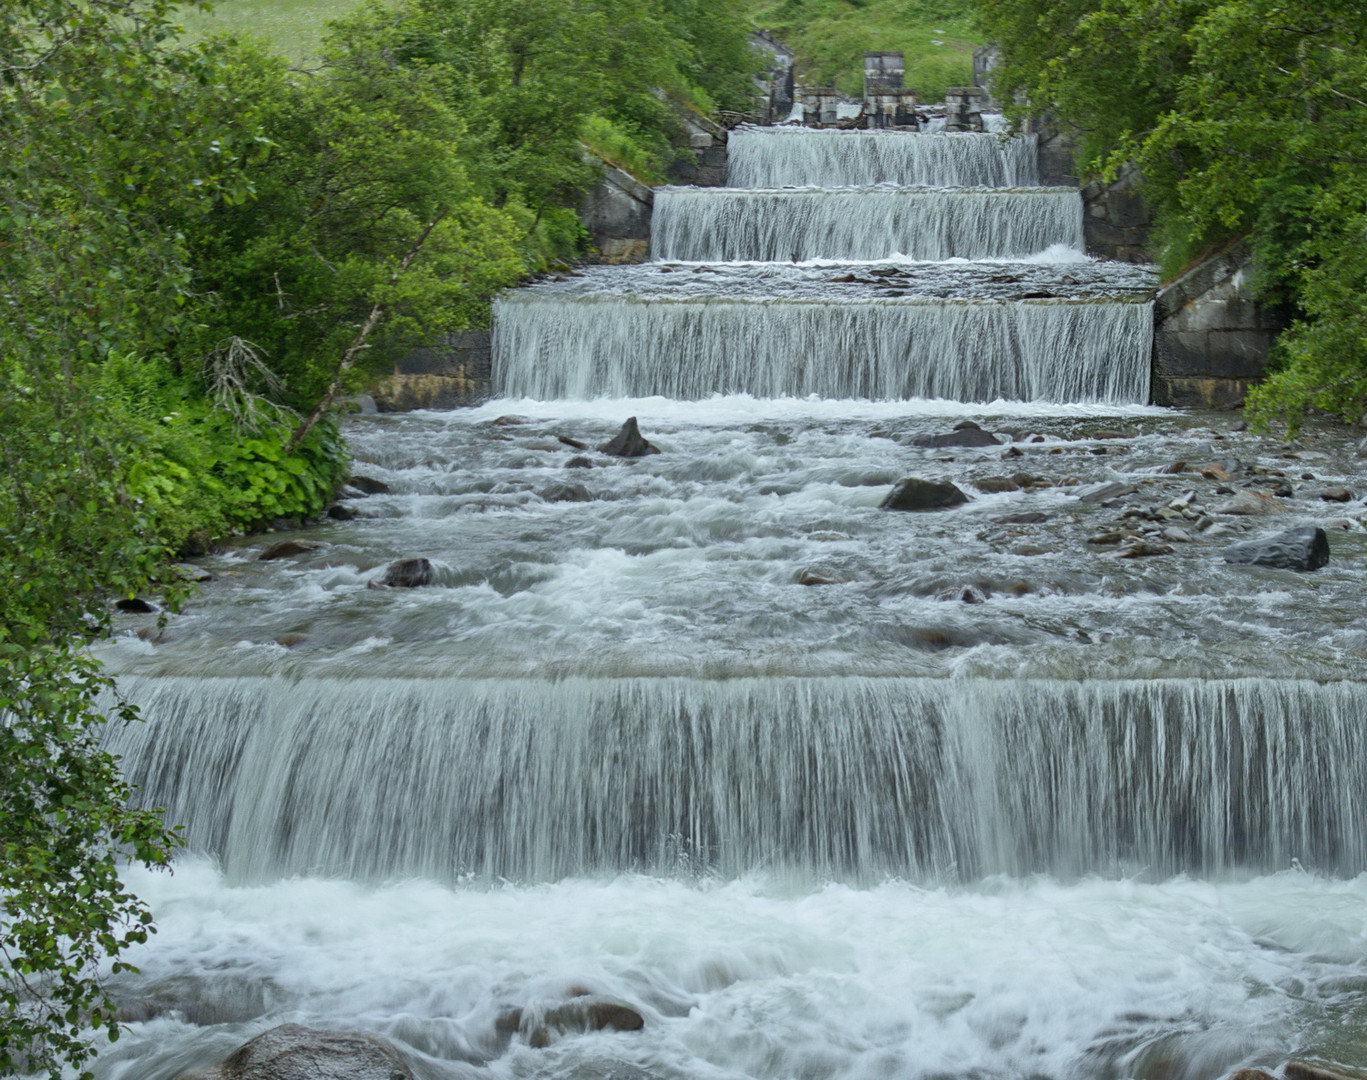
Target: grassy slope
830, 38
293, 27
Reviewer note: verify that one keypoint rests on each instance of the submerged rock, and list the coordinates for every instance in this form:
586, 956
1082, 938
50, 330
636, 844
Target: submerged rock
368, 486
286, 548
628, 442
565, 493
1104, 492
1302, 548
1250, 503
341, 512
1025, 517
820, 577
294, 1052
914, 494
407, 574
965, 433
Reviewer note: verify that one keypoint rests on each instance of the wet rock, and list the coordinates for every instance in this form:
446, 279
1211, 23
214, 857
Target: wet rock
1172, 468
565, 493
1276, 485
965, 594
1025, 517
198, 544
510, 420
1110, 536
1302, 548
1177, 535
290, 641
1336, 494
340, 512
820, 577
965, 433
992, 485
1251, 1074
1112, 435
294, 1052
135, 605
1016, 451
579, 463
286, 548
368, 486
1314, 1070
628, 442
1028, 480
914, 494
575, 443
1214, 472
1103, 493
407, 574
1250, 503
191, 573
1143, 549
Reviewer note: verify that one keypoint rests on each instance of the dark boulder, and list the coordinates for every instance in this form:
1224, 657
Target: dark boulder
1025, 517
992, 485
407, 574
294, 1052
1103, 493
341, 512
965, 433
367, 486
1336, 494
286, 548
914, 494
1302, 548
579, 463
628, 442
565, 493
134, 605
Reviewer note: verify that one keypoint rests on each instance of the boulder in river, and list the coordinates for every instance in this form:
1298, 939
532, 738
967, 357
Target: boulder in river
1250, 503
1302, 548
294, 1052
285, 548
1336, 494
135, 605
1104, 492
965, 433
565, 493
628, 442
820, 577
914, 494
407, 574
992, 485
368, 486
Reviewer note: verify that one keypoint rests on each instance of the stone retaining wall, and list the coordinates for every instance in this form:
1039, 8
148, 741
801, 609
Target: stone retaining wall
1211, 341
456, 372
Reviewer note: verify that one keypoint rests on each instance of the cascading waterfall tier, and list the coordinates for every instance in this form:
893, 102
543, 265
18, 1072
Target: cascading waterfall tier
858, 778
885, 349
772, 157
724, 225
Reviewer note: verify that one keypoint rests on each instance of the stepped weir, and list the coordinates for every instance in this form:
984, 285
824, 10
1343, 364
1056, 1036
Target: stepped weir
815, 789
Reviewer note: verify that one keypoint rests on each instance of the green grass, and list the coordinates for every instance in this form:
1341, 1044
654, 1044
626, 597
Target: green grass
830, 38
293, 28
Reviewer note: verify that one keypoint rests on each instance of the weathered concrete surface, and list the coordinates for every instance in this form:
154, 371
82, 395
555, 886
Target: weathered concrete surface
701, 147
617, 216
1116, 221
1211, 341
449, 374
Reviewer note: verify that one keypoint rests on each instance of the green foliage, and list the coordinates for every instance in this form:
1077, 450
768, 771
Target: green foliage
831, 36
1246, 118
65, 824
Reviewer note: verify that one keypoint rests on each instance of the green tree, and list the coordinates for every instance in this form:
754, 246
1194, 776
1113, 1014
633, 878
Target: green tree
1247, 118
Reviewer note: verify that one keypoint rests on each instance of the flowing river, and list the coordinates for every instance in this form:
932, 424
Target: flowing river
820, 790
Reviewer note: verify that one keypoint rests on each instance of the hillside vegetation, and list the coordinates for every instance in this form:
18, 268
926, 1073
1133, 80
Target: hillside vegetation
830, 38
1248, 118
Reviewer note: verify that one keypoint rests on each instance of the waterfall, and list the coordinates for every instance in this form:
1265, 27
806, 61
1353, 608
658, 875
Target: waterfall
778, 156
613, 345
702, 225
858, 778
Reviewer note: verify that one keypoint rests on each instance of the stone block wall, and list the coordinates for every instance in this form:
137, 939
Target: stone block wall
457, 371
1116, 221
1211, 341
702, 158
617, 216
